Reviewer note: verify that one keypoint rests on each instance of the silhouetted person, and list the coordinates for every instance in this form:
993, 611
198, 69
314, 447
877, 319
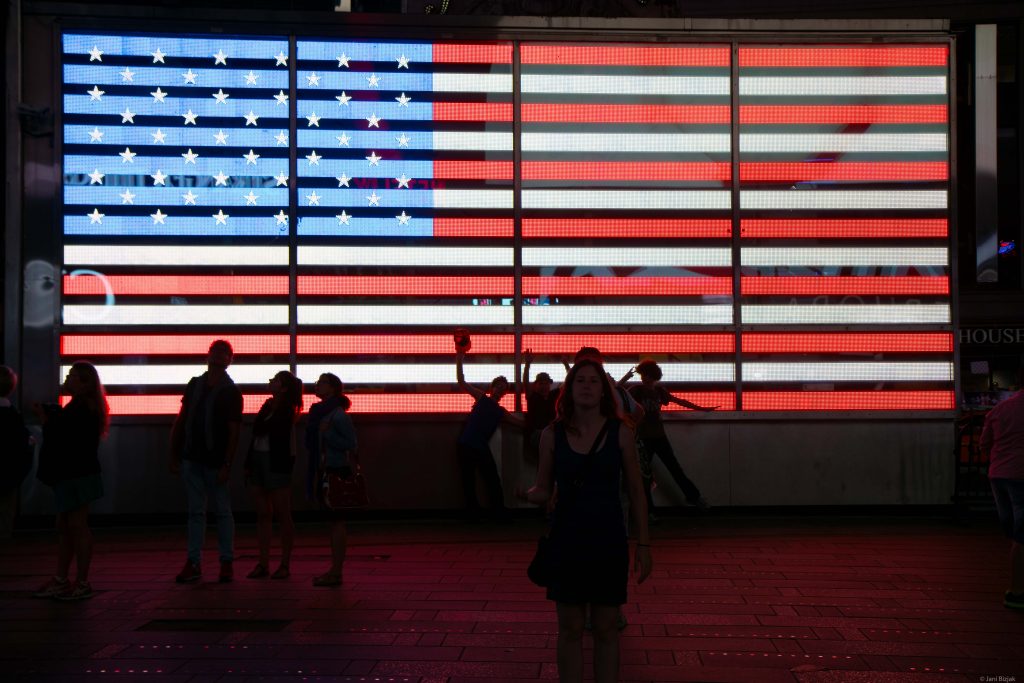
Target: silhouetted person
16, 446
268, 470
540, 407
585, 453
203, 444
69, 462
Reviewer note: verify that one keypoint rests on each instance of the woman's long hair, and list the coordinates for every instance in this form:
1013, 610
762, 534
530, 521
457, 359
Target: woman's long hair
291, 398
92, 393
566, 407
338, 388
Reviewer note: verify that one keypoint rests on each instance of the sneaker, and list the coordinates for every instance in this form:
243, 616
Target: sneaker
227, 572
79, 590
258, 572
701, 504
190, 573
55, 586
1013, 600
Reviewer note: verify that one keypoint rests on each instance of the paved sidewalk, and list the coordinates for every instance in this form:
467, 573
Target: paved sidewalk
732, 598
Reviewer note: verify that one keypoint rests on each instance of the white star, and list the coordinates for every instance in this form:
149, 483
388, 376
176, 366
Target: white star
128, 75
251, 118
159, 95
373, 159
282, 59
95, 135
343, 180
372, 121
221, 96
313, 80
403, 219
343, 217
220, 58
189, 77
95, 216
95, 93
95, 54
282, 179
190, 157
343, 139
158, 178
158, 56
342, 60
127, 116
374, 199
221, 217
96, 178
250, 199
158, 136
282, 217
190, 118
403, 101
250, 158
403, 182
314, 199
127, 197
313, 159
250, 78
281, 97
127, 156
282, 138
403, 62
343, 98
221, 179
403, 141
190, 198
313, 119
221, 137
373, 80
158, 217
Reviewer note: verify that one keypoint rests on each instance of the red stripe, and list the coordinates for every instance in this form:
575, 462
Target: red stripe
625, 228
625, 113
626, 170
89, 345
446, 169
473, 53
848, 342
870, 56
472, 111
473, 227
631, 344
384, 285
722, 400
620, 55
844, 171
848, 400
824, 285
844, 228
178, 285
843, 114
398, 344
361, 403
626, 286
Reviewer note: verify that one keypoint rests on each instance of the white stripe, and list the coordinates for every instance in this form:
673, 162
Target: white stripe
405, 315
847, 372
625, 85
490, 141
842, 85
852, 314
844, 142
166, 255
408, 373
473, 199
844, 256
626, 199
175, 315
628, 256
843, 199
405, 256
452, 82
626, 142
627, 315
179, 374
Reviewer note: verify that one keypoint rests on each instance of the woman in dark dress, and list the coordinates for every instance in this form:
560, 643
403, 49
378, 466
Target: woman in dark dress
69, 462
588, 532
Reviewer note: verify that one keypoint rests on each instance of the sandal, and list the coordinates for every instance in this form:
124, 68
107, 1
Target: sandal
258, 572
281, 572
327, 579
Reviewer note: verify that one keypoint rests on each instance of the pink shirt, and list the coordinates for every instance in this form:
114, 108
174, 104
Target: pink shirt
1003, 439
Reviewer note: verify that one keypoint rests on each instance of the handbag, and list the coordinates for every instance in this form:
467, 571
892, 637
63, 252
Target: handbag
345, 493
544, 565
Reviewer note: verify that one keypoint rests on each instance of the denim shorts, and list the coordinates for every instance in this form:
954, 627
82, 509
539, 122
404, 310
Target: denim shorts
1009, 496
